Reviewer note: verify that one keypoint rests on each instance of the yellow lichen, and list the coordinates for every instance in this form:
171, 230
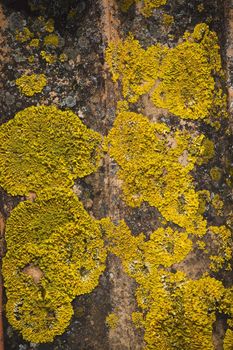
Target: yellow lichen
228, 340
217, 204
187, 87
175, 309
44, 146
51, 40
204, 198
146, 6
63, 57
31, 59
24, 36
30, 85
58, 238
221, 242
34, 43
207, 151
112, 320
155, 166
49, 25
168, 20
135, 67
49, 58
182, 78
216, 173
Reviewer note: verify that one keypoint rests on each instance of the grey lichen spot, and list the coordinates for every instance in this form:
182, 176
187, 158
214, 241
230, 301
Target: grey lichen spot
70, 101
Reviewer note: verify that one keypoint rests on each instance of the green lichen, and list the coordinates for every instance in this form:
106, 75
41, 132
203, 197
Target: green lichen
32, 84
155, 166
44, 146
54, 254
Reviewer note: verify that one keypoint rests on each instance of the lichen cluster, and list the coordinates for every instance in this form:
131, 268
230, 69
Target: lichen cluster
176, 312
59, 240
146, 6
55, 250
182, 78
32, 84
43, 44
155, 165
45, 147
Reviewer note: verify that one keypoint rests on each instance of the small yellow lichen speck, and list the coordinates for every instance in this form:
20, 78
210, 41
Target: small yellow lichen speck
112, 320
51, 40
216, 173
49, 58
34, 43
63, 57
49, 25
24, 36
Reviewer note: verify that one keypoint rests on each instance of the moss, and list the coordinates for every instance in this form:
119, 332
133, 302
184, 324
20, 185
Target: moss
155, 166
58, 238
44, 146
51, 40
112, 320
216, 173
30, 85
